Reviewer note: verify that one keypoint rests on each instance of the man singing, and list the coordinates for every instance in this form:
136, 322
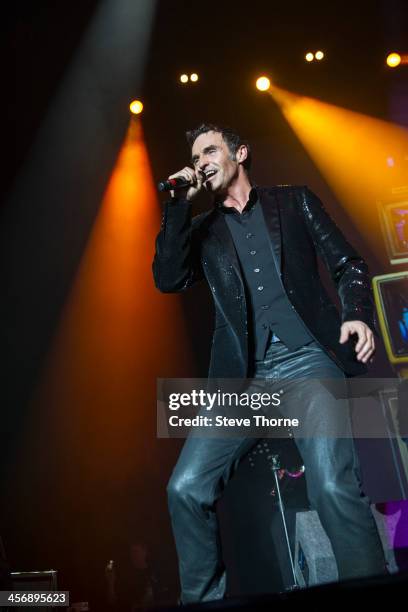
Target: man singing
257, 249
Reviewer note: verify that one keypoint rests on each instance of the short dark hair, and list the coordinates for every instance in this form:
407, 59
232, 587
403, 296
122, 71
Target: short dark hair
230, 136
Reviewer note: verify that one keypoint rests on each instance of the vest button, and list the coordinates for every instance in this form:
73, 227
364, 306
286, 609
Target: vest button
260, 288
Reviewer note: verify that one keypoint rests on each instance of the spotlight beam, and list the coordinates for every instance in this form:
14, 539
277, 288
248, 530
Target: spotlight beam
51, 208
351, 150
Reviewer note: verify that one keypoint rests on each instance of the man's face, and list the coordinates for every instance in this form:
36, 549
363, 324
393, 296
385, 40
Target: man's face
211, 155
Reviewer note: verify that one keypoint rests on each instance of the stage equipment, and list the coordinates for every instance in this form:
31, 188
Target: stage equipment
391, 300
314, 558
394, 408
279, 472
36, 581
394, 224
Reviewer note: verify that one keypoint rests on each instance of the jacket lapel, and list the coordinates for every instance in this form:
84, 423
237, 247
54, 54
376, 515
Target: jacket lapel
221, 231
270, 206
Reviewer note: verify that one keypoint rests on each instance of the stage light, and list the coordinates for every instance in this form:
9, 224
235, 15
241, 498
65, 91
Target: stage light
309, 57
393, 60
319, 55
184, 78
263, 83
136, 107
194, 77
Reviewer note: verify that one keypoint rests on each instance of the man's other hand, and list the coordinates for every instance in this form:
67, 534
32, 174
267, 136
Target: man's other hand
365, 346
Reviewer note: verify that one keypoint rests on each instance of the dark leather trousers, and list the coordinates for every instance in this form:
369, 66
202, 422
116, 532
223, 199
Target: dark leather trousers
332, 473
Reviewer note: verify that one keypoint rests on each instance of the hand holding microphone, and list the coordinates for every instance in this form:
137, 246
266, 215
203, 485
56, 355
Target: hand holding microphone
186, 182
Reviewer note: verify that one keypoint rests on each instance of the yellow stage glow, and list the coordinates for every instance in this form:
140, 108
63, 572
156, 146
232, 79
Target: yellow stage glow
263, 83
319, 55
184, 78
309, 57
362, 158
393, 60
194, 77
136, 107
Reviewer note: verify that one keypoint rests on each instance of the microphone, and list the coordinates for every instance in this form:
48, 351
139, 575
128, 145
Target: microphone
173, 183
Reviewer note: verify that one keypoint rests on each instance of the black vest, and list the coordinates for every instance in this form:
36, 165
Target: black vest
271, 310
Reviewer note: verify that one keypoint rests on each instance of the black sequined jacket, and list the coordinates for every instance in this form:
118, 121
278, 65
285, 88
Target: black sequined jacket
188, 250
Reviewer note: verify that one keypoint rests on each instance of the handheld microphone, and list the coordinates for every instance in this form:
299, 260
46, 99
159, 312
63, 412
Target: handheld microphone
173, 183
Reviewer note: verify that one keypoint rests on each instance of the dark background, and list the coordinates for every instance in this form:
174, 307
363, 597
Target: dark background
228, 44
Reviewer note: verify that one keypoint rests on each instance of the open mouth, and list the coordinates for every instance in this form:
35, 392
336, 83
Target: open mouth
209, 174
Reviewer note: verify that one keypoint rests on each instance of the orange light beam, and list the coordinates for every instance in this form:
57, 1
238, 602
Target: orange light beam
116, 335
